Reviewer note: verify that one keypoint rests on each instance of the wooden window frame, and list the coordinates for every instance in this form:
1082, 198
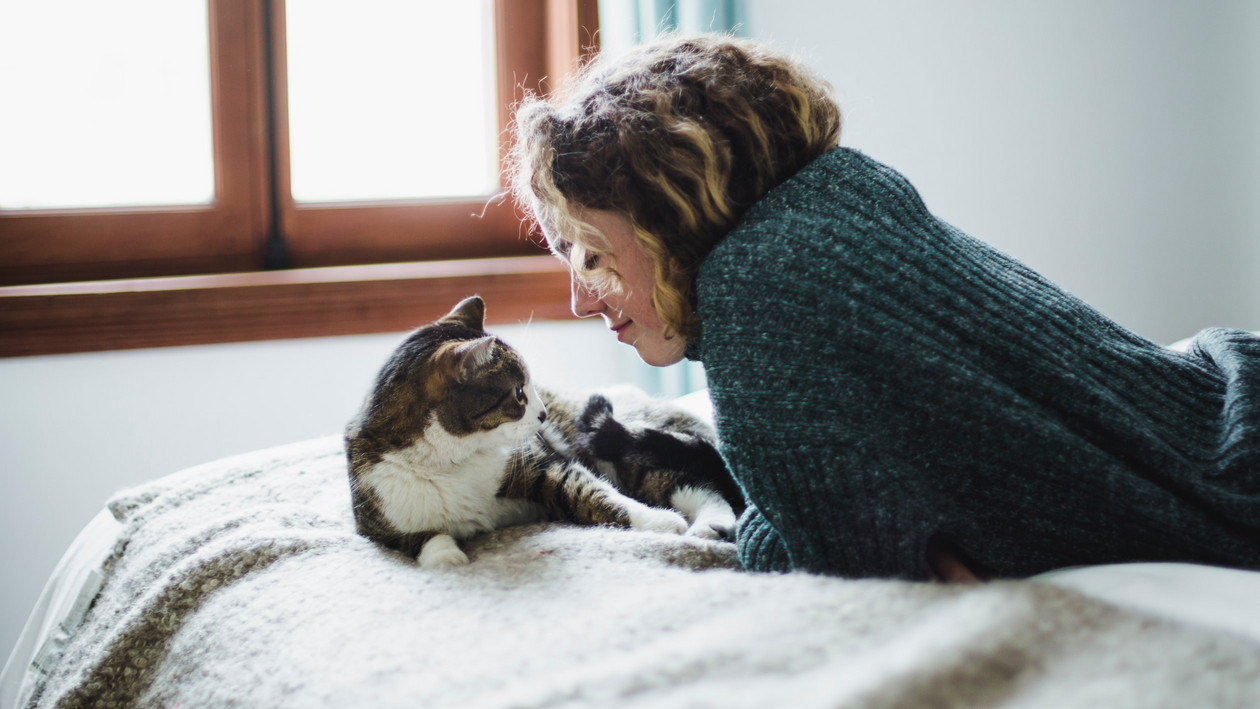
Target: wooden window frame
89, 280
46, 246
332, 234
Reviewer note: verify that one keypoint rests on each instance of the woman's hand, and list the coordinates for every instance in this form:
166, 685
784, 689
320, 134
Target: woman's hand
945, 567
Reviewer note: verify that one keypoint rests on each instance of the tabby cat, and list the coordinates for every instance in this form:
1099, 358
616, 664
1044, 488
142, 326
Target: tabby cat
454, 439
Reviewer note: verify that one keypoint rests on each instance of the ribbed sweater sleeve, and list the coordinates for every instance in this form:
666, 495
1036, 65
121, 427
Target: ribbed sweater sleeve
760, 546
880, 379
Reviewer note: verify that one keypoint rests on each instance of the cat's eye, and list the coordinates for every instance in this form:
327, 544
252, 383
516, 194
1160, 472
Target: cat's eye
519, 393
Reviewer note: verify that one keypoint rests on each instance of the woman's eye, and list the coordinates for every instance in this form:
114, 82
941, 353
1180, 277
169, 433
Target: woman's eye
519, 393
591, 262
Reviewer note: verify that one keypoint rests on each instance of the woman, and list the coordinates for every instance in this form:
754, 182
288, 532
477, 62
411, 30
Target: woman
895, 398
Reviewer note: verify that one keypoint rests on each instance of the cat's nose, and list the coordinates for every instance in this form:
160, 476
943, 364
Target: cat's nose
542, 416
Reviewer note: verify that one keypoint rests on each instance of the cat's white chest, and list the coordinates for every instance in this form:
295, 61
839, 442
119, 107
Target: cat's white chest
446, 483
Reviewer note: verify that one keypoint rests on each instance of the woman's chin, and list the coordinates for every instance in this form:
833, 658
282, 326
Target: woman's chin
661, 353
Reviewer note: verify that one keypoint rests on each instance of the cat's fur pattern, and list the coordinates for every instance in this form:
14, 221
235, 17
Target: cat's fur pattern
454, 440
667, 456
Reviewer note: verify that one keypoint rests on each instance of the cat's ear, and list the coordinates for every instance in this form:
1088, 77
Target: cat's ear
472, 356
471, 313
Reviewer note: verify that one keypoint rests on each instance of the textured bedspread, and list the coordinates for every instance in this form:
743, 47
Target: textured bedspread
243, 583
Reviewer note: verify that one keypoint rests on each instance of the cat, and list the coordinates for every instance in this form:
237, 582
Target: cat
454, 439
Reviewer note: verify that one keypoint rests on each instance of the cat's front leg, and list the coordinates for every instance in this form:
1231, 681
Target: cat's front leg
441, 552
573, 492
654, 519
601, 503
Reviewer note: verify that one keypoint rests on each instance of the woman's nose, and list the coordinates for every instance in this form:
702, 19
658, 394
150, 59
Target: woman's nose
582, 300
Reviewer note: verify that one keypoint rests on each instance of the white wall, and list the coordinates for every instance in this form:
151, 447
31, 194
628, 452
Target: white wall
1113, 146
74, 429
1252, 36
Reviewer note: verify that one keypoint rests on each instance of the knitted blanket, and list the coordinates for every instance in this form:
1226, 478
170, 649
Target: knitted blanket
242, 583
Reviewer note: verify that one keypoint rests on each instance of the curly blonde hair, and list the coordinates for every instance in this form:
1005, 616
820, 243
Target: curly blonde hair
680, 136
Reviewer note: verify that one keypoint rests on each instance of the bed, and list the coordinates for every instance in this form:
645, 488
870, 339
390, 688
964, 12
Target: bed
242, 583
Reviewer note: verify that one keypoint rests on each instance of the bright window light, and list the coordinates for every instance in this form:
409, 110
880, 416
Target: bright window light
105, 104
391, 99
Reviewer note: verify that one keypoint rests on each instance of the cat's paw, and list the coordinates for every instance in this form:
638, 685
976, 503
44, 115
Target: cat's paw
711, 516
441, 552
595, 414
653, 519
712, 529
714, 523
599, 434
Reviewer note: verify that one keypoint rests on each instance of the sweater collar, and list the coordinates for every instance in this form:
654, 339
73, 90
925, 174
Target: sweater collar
828, 161
695, 348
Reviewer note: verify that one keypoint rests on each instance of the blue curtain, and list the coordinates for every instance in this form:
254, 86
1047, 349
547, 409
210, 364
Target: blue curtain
687, 16
627, 22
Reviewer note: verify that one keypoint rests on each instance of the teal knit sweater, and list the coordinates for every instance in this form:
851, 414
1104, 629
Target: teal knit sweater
881, 379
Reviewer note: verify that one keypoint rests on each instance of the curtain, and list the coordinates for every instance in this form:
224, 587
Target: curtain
624, 23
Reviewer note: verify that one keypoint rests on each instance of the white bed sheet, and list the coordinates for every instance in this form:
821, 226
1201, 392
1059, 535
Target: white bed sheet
61, 605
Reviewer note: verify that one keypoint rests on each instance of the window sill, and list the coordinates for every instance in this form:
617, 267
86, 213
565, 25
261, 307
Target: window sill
312, 302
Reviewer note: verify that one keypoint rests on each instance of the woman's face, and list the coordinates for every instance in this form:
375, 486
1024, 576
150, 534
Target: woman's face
628, 312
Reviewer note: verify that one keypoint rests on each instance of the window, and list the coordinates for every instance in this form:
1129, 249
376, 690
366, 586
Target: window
370, 119
129, 127
270, 140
